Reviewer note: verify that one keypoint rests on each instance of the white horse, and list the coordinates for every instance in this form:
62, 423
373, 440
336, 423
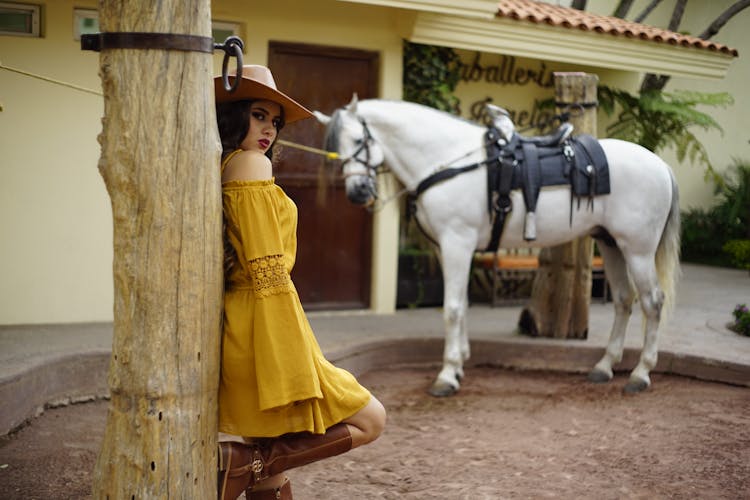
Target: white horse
637, 225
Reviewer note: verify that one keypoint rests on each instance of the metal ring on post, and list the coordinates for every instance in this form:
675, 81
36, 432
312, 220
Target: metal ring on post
232, 46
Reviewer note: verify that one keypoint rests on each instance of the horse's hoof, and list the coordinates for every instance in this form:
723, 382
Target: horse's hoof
599, 377
442, 389
635, 386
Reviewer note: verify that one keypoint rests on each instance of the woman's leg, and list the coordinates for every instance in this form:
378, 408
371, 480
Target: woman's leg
250, 465
366, 425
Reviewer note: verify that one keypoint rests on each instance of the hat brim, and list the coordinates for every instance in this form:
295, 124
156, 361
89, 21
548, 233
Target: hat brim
251, 89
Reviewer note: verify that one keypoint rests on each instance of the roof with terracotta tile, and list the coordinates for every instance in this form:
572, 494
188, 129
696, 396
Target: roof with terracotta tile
553, 15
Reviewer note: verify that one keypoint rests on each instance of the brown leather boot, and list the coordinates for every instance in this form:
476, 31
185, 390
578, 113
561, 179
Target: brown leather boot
230, 485
283, 492
243, 465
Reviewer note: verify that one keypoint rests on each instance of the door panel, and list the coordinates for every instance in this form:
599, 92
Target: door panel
334, 237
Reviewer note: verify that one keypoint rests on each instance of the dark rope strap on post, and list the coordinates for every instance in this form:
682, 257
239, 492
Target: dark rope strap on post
232, 47
573, 105
167, 41
575, 108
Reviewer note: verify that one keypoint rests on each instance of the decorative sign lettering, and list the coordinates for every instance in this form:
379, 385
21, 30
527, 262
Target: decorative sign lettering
534, 119
507, 72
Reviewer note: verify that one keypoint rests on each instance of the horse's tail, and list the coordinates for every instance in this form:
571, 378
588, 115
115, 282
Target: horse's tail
668, 252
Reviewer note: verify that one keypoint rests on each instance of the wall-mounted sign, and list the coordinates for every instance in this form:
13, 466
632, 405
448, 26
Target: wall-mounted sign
507, 72
523, 119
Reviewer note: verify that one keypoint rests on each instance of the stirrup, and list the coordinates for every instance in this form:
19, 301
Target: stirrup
529, 228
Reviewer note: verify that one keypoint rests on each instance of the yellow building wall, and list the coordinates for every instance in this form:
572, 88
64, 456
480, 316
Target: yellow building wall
55, 219
735, 120
55, 216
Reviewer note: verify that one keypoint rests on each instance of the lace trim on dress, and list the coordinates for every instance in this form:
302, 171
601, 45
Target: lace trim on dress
269, 275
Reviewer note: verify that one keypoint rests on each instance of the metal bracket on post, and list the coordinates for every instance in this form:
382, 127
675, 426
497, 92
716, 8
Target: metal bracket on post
232, 46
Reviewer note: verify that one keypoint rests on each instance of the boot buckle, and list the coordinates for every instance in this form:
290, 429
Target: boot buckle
257, 466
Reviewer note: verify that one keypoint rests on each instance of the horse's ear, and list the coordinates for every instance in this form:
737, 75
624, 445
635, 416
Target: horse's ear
321, 117
352, 106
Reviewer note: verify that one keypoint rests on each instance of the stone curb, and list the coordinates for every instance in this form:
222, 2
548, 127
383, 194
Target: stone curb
59, 380
82, 377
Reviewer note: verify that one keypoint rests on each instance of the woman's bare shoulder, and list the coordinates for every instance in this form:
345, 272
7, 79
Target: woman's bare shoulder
247, 166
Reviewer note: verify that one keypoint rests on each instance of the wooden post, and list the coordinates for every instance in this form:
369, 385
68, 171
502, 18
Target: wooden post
561, 293
160, 164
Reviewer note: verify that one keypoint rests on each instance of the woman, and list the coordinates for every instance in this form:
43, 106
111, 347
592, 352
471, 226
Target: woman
281, 403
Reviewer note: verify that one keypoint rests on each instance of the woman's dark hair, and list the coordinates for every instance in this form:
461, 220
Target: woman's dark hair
233, 119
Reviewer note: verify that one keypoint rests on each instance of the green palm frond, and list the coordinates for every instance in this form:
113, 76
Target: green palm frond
657, 120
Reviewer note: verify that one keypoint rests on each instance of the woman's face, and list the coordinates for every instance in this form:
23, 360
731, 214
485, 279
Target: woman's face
265, 117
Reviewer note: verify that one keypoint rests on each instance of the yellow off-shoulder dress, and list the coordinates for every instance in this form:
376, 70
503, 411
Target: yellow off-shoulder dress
274, 377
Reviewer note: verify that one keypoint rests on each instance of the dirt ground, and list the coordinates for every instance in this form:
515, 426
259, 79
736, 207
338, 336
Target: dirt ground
507, 434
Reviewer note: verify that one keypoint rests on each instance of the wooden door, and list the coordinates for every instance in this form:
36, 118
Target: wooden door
334, 237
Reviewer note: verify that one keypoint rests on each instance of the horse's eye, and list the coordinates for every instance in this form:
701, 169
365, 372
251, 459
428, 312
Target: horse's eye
358, 142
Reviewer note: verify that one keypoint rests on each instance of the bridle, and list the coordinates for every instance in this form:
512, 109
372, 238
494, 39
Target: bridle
371, 170
364, 146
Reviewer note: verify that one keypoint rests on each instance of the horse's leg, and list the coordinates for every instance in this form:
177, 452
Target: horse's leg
643, 271
456, 261
464, 347
622, 298
463, 332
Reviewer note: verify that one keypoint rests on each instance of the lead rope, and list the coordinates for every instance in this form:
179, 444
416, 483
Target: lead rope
50, 80
331, 155
378, 205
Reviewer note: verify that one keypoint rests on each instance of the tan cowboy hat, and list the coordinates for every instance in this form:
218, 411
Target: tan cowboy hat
257, 83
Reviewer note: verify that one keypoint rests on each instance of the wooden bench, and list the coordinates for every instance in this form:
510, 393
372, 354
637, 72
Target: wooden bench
508, 275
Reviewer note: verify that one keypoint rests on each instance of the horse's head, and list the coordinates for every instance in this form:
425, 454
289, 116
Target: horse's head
360, 155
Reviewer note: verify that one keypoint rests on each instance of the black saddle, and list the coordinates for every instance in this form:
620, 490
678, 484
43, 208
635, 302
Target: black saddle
554, 139
528, 163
